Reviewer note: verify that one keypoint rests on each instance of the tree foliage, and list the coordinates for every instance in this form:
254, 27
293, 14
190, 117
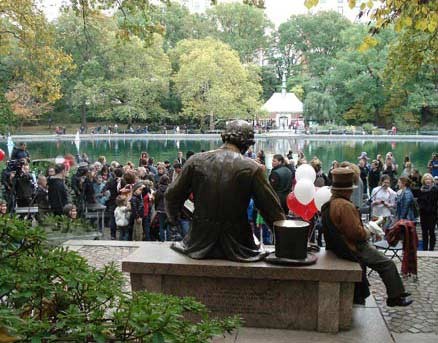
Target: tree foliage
211, 81
417, 23
320, 107
27, 50
243, 27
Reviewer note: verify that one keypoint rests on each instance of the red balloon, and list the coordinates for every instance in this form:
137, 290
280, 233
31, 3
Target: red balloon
309, 211
304, 211
2, 155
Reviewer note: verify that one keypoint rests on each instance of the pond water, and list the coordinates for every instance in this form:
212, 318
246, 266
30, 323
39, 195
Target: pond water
124, 150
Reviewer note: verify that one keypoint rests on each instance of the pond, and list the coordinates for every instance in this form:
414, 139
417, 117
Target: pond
124, 150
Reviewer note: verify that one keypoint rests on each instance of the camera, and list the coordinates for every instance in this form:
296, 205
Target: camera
15, 166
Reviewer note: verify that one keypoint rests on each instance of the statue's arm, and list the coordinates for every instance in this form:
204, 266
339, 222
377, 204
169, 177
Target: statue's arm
178, 192
266, 200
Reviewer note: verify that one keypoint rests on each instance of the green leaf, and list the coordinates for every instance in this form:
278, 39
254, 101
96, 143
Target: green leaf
158, 338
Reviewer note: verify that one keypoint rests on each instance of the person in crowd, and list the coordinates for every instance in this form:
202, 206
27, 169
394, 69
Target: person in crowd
416, 181
406, 160
161, 170
42, 197
379, 160
334, 165
321, 179
373, 176
105, 173
151, 166
57, 190
122, 217
435, 179
50, 172
175, 172
250, 154
24, 187
390, 169
290, 155
180, 158
147, 205
88, 189
407, 171
70, 211
432, 165
346, 236
20, 152
364, 171
168, 167
102, 161
428, 206
260, 159
137, 209
160, 208
3, 208
189, 154
113, 186
281, 180
143, 156
77, 185
405, 200
383, 201
98, 189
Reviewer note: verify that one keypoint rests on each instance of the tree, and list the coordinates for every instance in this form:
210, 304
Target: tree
356, 78
180, 24
308, 43
212, 82
242, 27
117, 78
416, 20
138, 79
319, 107
83, 89
27, 47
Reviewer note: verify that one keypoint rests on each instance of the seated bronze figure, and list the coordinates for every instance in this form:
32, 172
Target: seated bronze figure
222, 182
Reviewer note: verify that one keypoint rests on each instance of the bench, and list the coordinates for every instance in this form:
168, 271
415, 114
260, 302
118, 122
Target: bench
316, 297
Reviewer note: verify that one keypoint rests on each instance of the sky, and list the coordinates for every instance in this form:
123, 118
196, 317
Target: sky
278, 11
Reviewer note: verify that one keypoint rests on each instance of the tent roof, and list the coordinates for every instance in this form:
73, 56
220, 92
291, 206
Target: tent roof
285, 103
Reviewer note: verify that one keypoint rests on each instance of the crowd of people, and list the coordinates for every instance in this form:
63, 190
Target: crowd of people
133, 193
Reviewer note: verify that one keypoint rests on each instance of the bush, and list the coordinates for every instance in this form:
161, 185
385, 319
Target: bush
53, 295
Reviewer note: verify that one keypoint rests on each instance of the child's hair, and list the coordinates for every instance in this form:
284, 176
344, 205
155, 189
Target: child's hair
41, 178
121, 200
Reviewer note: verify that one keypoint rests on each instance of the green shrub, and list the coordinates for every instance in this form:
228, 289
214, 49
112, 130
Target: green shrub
53, 295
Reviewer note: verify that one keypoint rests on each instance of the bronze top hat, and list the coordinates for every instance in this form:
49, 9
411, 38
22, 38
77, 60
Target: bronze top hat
343, 179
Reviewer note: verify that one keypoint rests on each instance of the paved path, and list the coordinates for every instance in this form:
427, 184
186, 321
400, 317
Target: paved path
416, 323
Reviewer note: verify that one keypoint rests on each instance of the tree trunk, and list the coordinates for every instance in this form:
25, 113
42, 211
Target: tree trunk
84, 116
211, 121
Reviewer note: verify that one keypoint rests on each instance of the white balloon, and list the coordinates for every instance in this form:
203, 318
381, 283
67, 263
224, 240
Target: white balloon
305, 171
59, 160
322, 196
304, 191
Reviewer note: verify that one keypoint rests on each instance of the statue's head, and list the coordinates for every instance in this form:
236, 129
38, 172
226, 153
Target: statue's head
239, 133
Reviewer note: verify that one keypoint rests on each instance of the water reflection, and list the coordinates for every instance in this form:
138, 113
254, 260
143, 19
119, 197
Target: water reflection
129, 150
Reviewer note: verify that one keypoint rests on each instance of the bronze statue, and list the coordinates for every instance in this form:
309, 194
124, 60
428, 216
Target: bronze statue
222, 182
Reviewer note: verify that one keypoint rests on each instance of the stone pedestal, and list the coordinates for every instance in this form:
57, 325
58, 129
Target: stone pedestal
317, 297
